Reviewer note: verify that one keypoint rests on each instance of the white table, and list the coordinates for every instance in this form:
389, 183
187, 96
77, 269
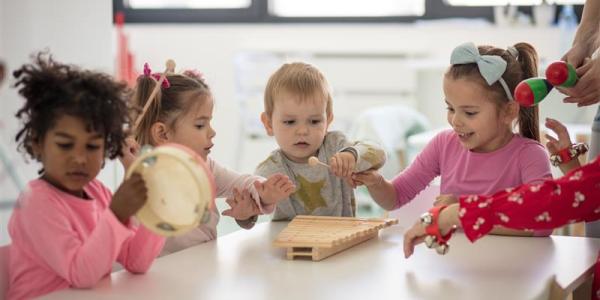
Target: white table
244, 265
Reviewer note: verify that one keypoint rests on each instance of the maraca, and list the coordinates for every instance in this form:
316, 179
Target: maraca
561, 74
532, 91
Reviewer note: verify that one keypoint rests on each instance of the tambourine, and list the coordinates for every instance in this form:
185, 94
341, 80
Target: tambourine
181, 189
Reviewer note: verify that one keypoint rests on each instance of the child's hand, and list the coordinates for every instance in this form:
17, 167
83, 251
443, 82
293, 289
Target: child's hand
446, 199
367, 178
276, 188
130, 150
342, 164
129, 198
242, 206
564, 140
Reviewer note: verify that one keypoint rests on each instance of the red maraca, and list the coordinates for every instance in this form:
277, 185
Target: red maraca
561, 74
532, 91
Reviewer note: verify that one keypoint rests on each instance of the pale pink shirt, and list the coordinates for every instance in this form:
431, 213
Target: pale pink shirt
226, 181
61, 241
464, 172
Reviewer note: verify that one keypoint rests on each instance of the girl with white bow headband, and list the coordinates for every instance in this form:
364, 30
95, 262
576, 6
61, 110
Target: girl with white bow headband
482, 153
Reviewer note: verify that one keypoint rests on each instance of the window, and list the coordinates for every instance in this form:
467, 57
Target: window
293, 11
510, 2
189, 4
346, 8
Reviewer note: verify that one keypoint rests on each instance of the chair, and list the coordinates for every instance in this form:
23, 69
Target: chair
4, 271
390, 126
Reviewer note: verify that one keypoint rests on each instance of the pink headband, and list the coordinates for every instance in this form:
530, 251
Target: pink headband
156, 76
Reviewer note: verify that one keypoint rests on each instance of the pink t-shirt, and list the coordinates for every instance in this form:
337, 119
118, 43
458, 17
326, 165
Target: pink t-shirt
464, 172
61, 241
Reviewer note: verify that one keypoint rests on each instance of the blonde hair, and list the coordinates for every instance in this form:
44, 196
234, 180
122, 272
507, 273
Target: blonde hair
169, 103
300, 79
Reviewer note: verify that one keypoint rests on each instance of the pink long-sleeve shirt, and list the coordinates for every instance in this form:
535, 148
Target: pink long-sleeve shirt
61, 241
462, 172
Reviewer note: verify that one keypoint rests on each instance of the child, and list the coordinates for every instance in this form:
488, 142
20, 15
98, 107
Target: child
298, 113
65, 230
481, 154
181, 113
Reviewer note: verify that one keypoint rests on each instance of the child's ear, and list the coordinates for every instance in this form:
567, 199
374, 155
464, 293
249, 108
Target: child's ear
512, 111
36, 148
329, 118
267, 122
158, 133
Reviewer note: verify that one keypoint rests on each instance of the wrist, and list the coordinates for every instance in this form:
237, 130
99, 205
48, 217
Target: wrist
435, 238
568, 154
448, 219
378, 182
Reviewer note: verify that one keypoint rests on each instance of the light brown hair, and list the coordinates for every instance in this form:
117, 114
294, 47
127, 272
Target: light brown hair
300, 79
169, 104
517, 69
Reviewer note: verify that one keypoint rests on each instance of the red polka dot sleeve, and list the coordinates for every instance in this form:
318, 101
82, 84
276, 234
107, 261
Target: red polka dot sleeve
572, 198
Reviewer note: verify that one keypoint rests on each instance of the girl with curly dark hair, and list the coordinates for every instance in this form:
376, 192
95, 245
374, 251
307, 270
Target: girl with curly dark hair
67, 229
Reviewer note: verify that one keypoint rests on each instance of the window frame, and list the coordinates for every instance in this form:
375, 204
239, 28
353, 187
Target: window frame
258, 13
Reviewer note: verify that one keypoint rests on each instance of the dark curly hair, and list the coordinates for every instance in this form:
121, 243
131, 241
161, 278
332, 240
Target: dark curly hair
52, 89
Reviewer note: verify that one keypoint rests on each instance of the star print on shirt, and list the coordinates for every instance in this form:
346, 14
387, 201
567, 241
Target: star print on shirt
310, 194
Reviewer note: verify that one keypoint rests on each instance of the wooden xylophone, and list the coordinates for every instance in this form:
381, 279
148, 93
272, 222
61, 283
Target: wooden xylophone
319, 237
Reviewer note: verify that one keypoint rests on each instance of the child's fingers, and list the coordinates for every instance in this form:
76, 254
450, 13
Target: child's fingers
345, 166
231, 202
334, 165
413, 237
584, 68
552, 145
228, 212
260, 187
246, 196
558, 128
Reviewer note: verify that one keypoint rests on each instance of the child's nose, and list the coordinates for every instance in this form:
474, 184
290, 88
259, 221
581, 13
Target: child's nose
79, 157
302, 129
456, 121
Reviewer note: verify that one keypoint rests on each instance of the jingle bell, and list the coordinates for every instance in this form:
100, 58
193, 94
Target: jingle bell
442, 249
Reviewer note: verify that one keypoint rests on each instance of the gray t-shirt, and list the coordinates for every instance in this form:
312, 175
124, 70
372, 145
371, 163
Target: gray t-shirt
318, 191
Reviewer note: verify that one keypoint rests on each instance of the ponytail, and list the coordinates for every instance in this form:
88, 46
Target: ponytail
528, 116
144, 87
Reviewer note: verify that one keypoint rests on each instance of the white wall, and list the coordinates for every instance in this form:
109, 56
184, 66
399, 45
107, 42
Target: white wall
75, 31
211, 49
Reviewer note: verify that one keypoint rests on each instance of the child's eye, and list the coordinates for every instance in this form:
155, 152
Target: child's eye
199, 126
450, 109
289, 122
65, 145
471, 113
92, 147
315, 122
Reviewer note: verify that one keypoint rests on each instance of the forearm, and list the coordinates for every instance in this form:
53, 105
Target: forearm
139, 252
449, 219
590, 20
384, 194
571, 165
499, 230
